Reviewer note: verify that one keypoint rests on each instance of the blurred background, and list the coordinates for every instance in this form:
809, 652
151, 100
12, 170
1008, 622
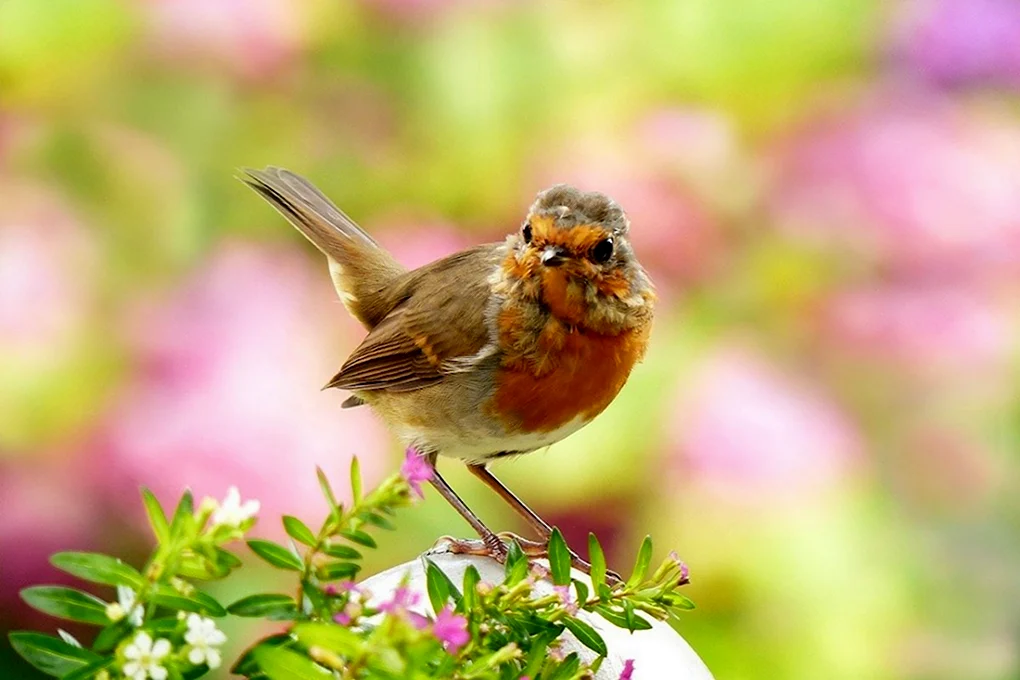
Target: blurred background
827, 195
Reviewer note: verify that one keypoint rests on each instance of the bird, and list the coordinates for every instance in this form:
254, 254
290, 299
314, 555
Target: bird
492, 352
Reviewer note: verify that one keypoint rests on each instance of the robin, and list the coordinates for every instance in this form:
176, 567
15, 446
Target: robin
494, 351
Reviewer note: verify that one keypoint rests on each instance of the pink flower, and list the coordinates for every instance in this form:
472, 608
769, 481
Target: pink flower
929, 328
251, 38
48, 506
959, 42
451, 630
418, 621
566, 598
747, 431
415, 470
47, 265
343, 618
226, 392
421, 12
628, 670
924, 186
685, 572
403, 598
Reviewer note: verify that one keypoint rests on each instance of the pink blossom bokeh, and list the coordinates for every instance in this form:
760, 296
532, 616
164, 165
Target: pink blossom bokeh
249, 38
961, 42
47, 281
46, 509
933, 329
922, 185
227, 389
746, 432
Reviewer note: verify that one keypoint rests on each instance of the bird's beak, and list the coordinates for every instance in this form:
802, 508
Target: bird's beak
552, 256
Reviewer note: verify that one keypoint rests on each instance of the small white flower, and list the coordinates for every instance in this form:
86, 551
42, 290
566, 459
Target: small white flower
232, 512
204, 637
143, 657
68, 638
126, 605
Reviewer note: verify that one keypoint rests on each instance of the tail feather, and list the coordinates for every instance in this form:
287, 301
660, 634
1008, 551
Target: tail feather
359, 266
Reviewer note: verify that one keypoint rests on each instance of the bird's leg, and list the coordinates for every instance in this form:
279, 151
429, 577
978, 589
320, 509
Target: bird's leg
530, 548
490, 546
537, 523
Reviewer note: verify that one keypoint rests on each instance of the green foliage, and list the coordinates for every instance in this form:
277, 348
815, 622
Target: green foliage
480, 630
51, 655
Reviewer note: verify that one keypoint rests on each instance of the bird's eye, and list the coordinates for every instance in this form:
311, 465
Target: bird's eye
526, 232
603, 251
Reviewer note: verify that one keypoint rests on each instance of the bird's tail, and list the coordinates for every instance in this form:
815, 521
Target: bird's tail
359, 266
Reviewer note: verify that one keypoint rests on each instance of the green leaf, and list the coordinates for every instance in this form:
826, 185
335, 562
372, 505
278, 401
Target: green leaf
341, 551
679, 602
225, 558
245, 664
67, 603
327, 490
279, 663
516, 567
110, 636
98, 568
298, 530
567, 668
263, 605
380, 521
164, 626
598, 561
559, 558
359, 537
157, 518
471, 579
451, 588
183, 523
275, 554
194, 601
631, 622
586, 635
339, 639
582, 591
201, 567
89, 672
355, 480
644, 558
634, 620
537, 656
49, 654
437, 586
334, 571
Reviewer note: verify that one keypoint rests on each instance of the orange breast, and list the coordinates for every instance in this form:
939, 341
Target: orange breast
572, 373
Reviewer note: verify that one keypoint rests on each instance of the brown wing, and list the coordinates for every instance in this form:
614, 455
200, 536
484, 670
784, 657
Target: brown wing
441, 317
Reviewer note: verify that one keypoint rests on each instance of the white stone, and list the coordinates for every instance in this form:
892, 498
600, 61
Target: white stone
659, 653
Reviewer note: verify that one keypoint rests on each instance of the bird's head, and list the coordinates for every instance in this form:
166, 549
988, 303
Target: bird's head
573, 255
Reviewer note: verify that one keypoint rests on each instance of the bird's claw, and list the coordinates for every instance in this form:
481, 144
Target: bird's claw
540, 549
495, 547
490, 546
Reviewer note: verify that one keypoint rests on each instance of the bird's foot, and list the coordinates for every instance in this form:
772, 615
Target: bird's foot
489, 546
540, 549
